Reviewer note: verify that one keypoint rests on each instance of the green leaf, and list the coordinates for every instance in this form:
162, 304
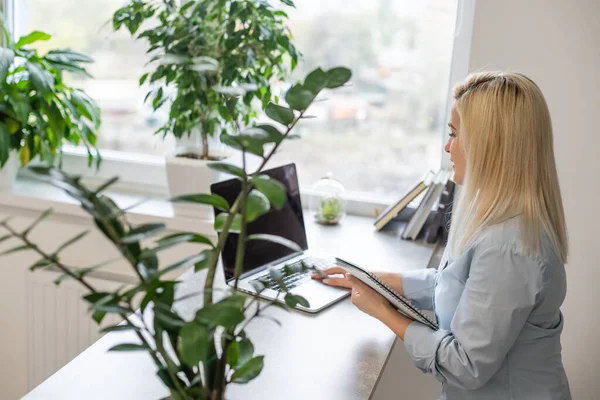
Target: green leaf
275, 239
248, 371
68, 56
288, 3
167, 318
143, 78
129, 347
292, 300
272, 134
106, 184
120, 328
210, 199
5, 145
228, 168
6, 58
316, 81
111, 308
244, 142
233, 353
32, 38
192, 260
246, 351
337, 77
184, 237
15, 249
71, 241
192, 344
283, 115
41, 80
299, 97
273, 189
236, 224
257, 205
142, 232
98, 316
40, 264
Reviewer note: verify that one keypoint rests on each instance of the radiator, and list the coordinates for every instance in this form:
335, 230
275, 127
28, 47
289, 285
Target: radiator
59, 324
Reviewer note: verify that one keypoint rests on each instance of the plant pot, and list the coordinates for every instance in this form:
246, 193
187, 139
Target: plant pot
193, 176
8, 173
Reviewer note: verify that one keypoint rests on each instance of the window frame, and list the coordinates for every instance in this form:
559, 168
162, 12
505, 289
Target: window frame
146, 174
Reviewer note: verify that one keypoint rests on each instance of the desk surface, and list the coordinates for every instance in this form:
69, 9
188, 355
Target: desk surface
336, 354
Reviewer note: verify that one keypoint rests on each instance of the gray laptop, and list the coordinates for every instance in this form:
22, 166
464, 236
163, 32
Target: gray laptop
261, 256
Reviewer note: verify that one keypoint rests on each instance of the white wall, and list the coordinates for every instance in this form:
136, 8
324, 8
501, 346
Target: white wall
556, 43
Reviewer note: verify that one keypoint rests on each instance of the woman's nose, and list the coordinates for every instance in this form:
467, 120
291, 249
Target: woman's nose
447, 146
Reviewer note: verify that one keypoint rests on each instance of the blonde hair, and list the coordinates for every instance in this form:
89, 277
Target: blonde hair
506, 134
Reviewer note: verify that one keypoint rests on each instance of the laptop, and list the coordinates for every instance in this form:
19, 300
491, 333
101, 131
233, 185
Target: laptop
261, 256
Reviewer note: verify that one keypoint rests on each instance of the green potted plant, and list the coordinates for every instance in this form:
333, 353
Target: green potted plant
39, 111
197, 368
202, 52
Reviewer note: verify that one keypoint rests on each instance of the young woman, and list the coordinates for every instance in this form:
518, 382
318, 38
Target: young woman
497, 293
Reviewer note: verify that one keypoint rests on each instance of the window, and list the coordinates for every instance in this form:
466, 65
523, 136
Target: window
377, 136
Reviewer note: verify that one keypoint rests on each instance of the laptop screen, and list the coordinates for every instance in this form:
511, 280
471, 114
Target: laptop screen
287, 222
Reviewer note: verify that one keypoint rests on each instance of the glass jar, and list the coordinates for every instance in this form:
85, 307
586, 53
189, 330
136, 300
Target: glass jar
328, 203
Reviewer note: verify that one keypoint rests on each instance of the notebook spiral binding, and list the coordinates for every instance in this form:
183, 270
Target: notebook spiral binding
423, 318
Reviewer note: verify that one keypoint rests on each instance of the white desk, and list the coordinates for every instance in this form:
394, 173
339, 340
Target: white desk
337, 354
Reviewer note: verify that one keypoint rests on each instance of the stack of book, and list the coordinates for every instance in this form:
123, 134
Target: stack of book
430, 214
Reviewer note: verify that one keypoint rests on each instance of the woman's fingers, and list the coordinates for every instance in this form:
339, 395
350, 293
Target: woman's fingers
339, 282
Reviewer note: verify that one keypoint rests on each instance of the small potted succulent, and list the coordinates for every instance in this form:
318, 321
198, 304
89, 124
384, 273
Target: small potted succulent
211, 61
39, 111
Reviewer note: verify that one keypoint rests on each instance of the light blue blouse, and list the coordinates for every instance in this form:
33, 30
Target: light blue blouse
499, 318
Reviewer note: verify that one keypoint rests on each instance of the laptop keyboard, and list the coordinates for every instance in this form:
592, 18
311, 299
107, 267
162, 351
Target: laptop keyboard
296, 273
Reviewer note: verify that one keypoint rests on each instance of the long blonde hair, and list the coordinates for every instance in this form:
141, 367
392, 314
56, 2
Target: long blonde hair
506, 133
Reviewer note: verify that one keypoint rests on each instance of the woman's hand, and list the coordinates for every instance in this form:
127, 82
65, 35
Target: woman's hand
391, 279
368, 300
339, 282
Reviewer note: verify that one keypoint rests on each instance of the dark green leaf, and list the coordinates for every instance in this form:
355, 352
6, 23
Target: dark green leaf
32, 38
236, 224
275, 239
167, 318
120, 328
288, 3
283, 115
272, 134
233, 354
5, 145
192, 344
299, 97
15, 249
110, 308
245, 143
248, 371
210, 199
40, 264
246, 351
184, 237
316, 81
192, 260
71, 241
142, 232
273, 189
42, 80
257, 205
6, 58
68, 56
337, 77
129, 347
143, 79
106, 184
291, 300
98, 316
228, 168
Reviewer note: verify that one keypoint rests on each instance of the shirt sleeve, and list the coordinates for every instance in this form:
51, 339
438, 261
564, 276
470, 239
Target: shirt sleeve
499, 294
418, 286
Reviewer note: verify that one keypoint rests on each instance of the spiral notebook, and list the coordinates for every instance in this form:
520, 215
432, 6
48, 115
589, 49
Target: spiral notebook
401, 303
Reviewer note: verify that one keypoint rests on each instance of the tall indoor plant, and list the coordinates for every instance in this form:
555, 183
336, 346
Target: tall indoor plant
211, 350
39, 111
201, 51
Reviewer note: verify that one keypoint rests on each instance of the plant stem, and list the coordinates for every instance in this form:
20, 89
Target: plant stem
241, 245
204, 136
